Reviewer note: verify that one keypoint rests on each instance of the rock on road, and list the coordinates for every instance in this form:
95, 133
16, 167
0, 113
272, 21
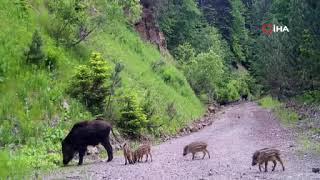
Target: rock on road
236, 133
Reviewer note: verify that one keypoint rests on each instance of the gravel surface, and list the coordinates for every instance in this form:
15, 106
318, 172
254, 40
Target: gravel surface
237, 132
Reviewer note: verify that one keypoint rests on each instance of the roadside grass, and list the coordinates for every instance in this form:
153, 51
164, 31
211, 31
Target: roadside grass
286, 115
268, 102
309, 144
289, 118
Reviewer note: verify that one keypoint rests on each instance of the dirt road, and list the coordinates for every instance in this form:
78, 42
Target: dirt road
237, 132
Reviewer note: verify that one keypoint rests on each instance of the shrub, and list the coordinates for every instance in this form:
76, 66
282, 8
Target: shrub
171, 110
229, 93
184, 53
11, 167
115, 83
132, 119
34, 54
89, 84
206, 72
269, 102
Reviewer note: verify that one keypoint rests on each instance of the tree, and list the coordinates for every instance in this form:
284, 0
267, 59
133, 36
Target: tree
73, 21
205, 73
34, 54
90, 83
115, 82
132, 119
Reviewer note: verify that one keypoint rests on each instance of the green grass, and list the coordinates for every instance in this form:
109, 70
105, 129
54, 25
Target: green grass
268, 102
286, 115
309, 144
31, 98
311, 97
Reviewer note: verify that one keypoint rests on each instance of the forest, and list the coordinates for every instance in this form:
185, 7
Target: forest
149, 67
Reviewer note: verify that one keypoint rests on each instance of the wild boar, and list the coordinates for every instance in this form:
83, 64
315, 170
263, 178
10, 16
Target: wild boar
143, 149
83, 134
127, 153
194, 147
264, 156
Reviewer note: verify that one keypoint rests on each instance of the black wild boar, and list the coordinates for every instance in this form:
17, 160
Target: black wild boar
83, 134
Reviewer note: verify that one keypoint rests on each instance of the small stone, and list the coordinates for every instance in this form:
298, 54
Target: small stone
291, 145
210, 172
316, 170
65, 104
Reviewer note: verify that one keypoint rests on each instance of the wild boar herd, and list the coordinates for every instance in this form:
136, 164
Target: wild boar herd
97, 131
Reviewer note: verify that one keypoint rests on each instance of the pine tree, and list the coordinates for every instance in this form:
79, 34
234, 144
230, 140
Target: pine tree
132, 120
34, 54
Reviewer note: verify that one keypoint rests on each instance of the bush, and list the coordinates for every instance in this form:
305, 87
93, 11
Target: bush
184, 53
229, 93
132, 118
89, 84
234, 87
269, 102
34, 54
11, 167
206, 72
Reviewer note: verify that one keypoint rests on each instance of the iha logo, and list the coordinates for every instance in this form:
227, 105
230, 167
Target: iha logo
272, 28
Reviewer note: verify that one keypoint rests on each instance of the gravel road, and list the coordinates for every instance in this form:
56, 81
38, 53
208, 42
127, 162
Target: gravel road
236, 133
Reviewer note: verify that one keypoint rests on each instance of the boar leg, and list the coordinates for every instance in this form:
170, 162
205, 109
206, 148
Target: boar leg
266, 166
278, 158
82, 152
274, 164
204, 154
146, 157
193, 156
150, 156
106, 144
125, 158
260, 167
208, 153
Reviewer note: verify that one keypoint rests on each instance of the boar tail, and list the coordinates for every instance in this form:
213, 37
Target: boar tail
115, 137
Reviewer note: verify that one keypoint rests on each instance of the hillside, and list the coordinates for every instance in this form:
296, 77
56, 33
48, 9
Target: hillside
35, 102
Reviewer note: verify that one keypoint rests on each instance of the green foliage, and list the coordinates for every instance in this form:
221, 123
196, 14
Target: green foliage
180, 22
132, 10
115, 83
132, 119
236, 86
287, 115
310, 97
206, 72
80, 19
36, 110
229, 93
295, 54
239, 34
218, 14
269, 102
184, 53
89, 84
34, 54
13, 167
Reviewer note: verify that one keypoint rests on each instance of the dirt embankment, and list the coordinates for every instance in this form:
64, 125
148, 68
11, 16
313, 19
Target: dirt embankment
236, 133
